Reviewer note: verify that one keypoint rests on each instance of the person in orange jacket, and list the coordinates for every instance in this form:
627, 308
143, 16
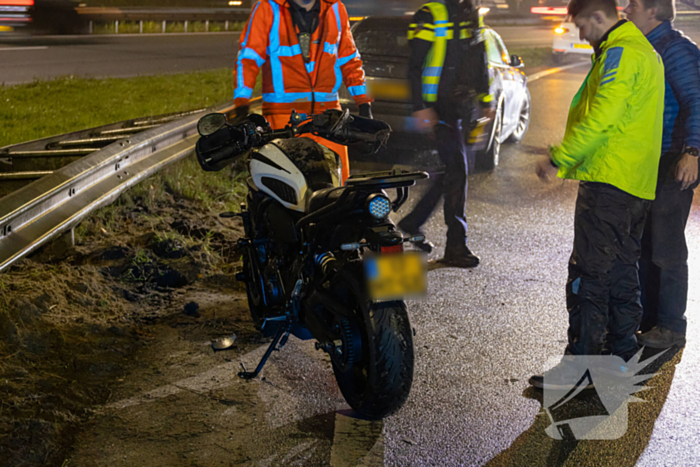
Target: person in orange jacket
306, 52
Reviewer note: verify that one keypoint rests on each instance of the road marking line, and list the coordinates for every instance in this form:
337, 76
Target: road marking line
3, 49
551, 71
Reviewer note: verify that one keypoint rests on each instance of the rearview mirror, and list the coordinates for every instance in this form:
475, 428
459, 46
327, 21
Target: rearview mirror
516, 61
210, 124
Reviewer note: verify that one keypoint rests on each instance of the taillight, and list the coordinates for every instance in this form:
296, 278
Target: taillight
378, 206
548, 10
393, 249
561, 30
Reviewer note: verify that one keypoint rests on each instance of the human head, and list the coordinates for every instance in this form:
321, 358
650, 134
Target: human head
647, 14
593, 18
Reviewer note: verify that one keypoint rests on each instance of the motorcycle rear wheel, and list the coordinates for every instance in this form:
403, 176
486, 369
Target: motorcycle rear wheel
378, 385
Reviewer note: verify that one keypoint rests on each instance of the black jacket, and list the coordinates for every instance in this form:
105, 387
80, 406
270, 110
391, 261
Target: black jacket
466, 64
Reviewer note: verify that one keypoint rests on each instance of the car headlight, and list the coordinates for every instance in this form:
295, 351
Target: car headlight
379, 206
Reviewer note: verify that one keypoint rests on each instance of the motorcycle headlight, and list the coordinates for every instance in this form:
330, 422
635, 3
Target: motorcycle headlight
379, 206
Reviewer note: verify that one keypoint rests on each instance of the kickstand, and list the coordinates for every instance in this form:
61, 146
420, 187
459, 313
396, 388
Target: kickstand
283, 330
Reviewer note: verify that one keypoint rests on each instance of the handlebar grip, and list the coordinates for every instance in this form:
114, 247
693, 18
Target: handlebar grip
223, 154
361, 137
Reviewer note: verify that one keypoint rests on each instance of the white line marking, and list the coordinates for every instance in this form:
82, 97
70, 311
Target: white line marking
551, 71
4, 49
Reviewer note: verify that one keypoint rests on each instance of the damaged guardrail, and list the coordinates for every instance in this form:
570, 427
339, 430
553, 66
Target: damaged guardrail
56, 203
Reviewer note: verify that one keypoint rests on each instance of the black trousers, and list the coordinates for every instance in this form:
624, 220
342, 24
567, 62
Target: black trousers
663, 267
452, 185
602, 291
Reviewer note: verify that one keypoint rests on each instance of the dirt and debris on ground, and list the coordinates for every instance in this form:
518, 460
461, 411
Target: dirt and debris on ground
147, 286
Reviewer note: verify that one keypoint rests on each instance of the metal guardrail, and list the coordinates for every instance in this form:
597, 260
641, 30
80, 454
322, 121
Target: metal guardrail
54, 204
162, 15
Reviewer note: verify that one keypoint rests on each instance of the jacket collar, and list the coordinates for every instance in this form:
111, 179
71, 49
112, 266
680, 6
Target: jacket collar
659, 32
620, 29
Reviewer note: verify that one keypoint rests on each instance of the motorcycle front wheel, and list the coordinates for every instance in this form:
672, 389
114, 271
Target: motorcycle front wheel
379, 383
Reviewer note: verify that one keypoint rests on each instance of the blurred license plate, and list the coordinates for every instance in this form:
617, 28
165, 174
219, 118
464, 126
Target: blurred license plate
582, 46
394, 91
396, 276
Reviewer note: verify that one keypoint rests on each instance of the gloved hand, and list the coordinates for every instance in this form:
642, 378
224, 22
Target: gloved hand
240, 114
485, 100
366, 111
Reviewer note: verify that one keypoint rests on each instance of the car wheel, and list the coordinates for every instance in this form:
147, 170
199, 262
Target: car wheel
488, 160
523, 120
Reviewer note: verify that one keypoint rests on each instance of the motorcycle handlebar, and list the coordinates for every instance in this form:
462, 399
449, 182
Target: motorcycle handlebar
217, 149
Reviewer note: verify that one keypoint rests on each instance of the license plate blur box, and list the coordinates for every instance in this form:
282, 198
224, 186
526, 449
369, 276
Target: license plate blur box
396, 276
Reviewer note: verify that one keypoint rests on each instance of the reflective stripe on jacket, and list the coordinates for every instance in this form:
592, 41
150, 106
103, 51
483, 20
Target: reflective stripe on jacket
614, 131
439, 32
434, 25
269, 41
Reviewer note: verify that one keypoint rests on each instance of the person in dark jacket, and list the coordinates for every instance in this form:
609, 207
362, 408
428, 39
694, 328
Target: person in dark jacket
664, 262
448, 74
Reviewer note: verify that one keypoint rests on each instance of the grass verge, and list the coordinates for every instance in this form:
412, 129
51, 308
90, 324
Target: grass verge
46, 108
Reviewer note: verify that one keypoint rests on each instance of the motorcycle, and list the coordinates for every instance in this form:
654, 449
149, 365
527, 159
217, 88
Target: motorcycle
322, 260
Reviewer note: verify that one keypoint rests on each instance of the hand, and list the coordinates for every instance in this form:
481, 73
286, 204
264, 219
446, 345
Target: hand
240, 114
366, 111
545, 170
426, 118
687, 171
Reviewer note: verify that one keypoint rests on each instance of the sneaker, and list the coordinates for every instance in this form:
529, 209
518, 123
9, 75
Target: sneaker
460, 259
425, 245
661, 338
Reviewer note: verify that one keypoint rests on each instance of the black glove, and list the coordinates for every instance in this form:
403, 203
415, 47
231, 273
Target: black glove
366, 111
240, 114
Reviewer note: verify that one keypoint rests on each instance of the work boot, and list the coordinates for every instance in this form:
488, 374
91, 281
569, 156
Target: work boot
459, 258
661, 338
411, 230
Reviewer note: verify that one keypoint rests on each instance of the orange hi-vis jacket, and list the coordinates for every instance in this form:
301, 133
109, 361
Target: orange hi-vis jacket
270, 42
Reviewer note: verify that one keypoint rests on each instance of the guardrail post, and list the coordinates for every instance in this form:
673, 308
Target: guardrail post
206, 26
226, 25
185, 25
141, 27
163, 27
90, 27
116, 27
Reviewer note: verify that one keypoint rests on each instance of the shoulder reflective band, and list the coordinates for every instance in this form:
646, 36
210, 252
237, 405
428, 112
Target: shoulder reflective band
432, 69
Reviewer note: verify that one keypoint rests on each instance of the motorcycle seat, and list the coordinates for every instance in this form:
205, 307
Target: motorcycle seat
322, 197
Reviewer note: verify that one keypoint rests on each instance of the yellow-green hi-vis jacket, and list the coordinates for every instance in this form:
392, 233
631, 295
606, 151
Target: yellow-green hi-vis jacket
614, 130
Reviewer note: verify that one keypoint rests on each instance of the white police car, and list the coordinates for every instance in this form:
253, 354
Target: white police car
567, 42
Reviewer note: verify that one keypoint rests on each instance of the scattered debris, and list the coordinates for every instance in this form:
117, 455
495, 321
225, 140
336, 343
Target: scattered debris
192, 309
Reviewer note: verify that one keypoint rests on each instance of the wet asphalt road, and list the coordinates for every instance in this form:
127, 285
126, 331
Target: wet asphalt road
25, 59
480, 334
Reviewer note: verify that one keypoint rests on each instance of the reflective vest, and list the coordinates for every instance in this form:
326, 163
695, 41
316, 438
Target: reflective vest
439, 33
269, 43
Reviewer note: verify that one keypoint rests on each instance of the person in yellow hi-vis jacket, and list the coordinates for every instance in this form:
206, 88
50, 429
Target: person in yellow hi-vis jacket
612, 145
449, 77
